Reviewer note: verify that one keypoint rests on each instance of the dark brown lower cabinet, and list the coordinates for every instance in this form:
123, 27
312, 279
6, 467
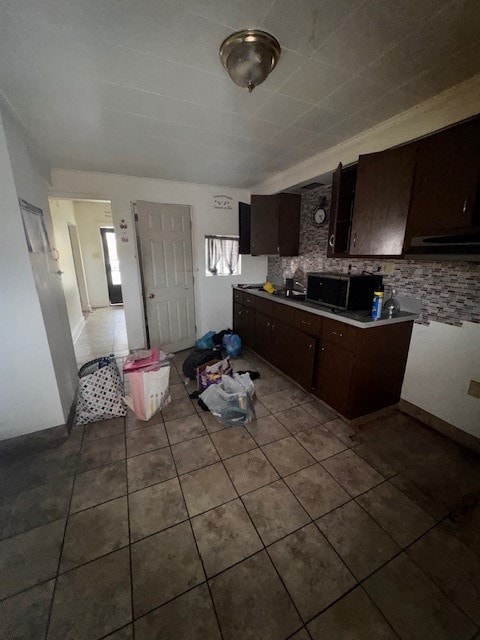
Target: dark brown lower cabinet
333, 376
282, 346
238, 311
303, 359
263, 335
248, 326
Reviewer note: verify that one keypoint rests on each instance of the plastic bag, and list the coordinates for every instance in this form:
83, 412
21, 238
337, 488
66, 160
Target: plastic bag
206, 341
231, 401
233, 344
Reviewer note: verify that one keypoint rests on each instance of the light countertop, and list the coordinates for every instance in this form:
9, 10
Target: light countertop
360, 319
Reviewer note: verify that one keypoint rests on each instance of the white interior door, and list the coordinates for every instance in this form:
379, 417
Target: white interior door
167, 266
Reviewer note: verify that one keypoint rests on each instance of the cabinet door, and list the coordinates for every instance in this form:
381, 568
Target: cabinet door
248, 325
238, 315
264, 225
446, 187
282, 346
289, 205
244, 230
382, 199
333, 376
343, 196
263, 335
303, 359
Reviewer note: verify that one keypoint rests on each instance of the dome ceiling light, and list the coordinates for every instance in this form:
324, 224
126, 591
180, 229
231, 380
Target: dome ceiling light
249, 56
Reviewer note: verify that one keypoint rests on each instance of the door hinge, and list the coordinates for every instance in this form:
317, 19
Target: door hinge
135, 217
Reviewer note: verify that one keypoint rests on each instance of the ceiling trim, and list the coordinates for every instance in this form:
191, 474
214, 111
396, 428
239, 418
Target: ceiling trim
453, 105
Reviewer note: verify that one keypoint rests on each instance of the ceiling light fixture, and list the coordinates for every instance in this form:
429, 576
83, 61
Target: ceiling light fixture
249, 56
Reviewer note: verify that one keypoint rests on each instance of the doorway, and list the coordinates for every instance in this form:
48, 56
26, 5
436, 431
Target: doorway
112, 266
165, 243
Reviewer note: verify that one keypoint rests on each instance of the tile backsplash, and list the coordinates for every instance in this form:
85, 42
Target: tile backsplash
449, 291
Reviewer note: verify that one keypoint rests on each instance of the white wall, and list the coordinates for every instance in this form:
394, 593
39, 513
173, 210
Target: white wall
63, 214
90, 217
30, 396
213, 297
441, 362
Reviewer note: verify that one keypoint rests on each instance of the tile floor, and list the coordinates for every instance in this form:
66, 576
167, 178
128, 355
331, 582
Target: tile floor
104, 333
294, 527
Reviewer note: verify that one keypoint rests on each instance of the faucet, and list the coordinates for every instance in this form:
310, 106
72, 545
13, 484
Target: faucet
302, 287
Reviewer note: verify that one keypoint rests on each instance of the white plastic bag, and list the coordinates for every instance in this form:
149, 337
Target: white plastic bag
231, 401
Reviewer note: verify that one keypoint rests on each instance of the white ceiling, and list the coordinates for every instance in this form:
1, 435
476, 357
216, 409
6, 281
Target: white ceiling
136, 87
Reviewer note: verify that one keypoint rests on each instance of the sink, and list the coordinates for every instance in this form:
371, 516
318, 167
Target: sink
295, 295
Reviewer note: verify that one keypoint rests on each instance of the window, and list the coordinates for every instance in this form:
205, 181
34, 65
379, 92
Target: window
221, 256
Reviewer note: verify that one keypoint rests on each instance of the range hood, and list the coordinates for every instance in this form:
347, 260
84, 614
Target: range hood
464, 247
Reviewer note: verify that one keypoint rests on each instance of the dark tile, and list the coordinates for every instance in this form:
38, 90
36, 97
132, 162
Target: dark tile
104, 428
25, 616
178, 409
358, 540
194, 454
426, 499
103, 451
266, 429
99, 485
206, 488
319, 411
92, 600
188, 616
94, 533
225, 536
297, 395
466, 527
164, 566
452, 566
413, 605
401, 518
123, 634
354, 616
320, 442
250, 471
132, 422
374, 453
260, 409
274, 511
185, 428
311, 570
287, 455
232, 441
342, 431
316, 490
156, 508
178, 391
301, 635
251, 602
296, 419
211, 423
39, 505
278, 401
353, 473
266, 385
150, 468
30, 557
146, 439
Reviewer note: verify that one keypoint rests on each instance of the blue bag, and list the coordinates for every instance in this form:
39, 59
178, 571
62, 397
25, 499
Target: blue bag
233, 344
205, 342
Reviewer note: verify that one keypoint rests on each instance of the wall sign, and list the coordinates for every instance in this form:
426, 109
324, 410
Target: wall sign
223, 202
34, 226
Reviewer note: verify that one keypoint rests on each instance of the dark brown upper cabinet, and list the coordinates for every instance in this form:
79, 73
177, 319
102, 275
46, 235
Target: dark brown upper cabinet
275, 224
445, 196
341, 208
244, 216
382, 200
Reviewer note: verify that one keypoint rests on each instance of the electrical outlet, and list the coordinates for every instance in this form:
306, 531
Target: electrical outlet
388, 268
474, 389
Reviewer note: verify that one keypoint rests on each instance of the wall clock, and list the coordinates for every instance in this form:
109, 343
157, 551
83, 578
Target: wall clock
320, 214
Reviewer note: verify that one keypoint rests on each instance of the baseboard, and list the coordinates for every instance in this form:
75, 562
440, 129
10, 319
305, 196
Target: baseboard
71, 416
434, 422
78, 330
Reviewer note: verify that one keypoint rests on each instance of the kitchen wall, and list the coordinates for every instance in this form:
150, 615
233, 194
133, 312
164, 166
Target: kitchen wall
445, 348
90, 217
212, 295
37, 364
63, 215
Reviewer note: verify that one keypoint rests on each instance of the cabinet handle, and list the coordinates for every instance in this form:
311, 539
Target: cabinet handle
305, 322
273, 326
331, 240
465, 205
310, 346
354, 239
334, 333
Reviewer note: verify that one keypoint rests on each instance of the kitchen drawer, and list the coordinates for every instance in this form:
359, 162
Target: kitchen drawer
308, 322
339, 333
249, 300
264, 306
238, 296
283, 313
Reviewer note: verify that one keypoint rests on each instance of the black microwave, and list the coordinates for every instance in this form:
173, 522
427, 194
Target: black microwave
341, 290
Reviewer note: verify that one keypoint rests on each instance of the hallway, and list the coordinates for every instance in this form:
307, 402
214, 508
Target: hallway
104, 333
